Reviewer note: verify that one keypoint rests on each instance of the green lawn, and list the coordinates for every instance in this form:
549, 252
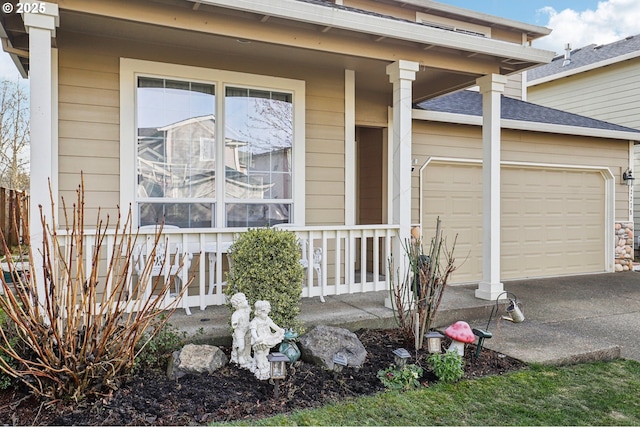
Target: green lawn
600, 393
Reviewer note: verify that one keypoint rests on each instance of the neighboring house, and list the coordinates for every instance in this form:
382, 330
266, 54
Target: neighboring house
599, 81
314, 101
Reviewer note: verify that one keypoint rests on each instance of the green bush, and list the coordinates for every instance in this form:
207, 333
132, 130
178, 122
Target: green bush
158, 349
265, 265
404, 378
447, 367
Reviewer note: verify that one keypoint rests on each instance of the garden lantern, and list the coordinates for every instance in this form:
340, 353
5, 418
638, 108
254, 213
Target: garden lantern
434, 341
339, 362
400, 357
278, 370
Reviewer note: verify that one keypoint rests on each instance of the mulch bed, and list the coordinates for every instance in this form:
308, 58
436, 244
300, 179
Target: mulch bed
234, 394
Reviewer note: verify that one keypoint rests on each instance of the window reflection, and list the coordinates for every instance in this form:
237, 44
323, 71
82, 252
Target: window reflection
177, 155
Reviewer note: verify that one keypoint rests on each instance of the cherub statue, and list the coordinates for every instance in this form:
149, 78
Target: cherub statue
241, 350
264, 335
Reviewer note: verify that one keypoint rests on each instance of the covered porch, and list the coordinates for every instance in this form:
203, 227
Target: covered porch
337, 260
345, 74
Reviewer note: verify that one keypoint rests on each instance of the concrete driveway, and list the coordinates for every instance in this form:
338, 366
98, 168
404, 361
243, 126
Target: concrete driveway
572, 319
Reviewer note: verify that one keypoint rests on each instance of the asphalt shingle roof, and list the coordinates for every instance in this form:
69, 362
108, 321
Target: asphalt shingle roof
470, 103
586, 56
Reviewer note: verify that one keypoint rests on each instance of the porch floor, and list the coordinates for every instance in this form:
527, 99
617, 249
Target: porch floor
567, 319
350, 311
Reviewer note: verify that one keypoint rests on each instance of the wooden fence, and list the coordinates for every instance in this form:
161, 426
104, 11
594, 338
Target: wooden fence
14, 228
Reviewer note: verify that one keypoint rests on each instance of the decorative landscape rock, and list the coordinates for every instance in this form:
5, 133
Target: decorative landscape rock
623, 246
319, 345
195, 359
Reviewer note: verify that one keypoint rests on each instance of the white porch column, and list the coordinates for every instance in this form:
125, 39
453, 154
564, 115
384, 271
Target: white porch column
41, 28
491, 87
401, 75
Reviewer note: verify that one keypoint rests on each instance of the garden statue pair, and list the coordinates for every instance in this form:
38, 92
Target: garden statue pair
261, 334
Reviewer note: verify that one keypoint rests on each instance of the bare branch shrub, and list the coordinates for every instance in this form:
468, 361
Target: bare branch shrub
416, 296
80, 339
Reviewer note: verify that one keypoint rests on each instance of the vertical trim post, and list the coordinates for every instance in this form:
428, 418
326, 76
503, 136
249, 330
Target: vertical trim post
491, 86
41, 28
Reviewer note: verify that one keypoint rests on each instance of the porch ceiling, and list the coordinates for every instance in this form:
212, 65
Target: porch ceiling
216, 30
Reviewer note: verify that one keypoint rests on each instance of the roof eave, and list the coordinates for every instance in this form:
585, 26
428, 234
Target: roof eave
467, 119
584, 68
379, 26
533, 30
14, 54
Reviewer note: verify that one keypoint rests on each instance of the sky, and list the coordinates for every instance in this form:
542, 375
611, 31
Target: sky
578, 22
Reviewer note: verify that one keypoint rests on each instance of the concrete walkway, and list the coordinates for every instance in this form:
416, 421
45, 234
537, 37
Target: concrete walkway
567, 319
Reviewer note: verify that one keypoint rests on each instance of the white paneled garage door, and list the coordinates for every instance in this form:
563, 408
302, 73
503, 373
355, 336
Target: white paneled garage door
553, 220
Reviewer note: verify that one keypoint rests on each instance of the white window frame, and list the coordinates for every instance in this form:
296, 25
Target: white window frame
129, 71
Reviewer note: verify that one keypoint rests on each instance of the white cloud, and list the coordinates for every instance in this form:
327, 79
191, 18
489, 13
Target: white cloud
611, 21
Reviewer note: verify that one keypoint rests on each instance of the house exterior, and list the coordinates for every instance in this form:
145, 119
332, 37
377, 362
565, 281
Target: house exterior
599, 81
558, 185
312, 108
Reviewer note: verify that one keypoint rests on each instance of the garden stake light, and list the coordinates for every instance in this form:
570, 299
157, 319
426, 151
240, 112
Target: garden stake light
400, 357
482, 335
278, 370
434, 341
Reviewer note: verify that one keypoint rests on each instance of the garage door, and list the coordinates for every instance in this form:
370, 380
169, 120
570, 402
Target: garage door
552, 220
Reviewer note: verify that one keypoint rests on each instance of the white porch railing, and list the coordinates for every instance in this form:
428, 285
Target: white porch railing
339, 259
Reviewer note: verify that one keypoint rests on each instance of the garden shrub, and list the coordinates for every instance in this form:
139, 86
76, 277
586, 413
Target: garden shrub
265, 265
158, 349
404, 378
447, 367
81, 340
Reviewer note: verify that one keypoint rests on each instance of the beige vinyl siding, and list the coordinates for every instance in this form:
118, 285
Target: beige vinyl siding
89, 130
325, 148
461, 141
609, 93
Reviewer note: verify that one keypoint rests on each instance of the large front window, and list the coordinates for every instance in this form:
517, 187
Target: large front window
259, 138
180, 123
176, 172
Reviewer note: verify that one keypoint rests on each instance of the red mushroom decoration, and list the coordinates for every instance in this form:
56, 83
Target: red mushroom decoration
460, 334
